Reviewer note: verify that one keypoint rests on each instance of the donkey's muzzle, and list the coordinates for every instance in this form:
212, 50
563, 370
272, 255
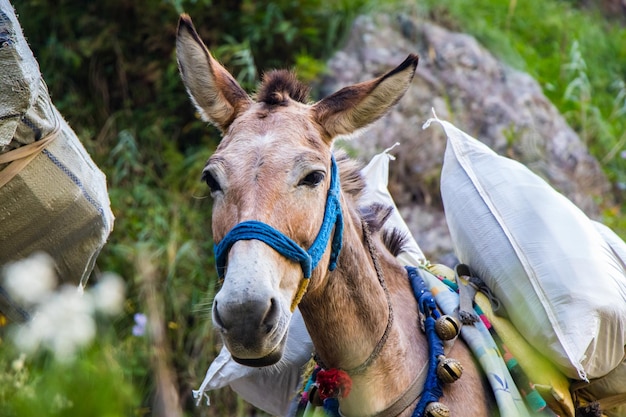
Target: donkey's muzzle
253, 315
252, 329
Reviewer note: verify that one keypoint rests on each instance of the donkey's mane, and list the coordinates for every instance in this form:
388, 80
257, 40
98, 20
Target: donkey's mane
278, 86
352, 181
395, 240
374, 215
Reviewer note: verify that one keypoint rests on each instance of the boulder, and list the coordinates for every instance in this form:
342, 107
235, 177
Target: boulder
465, 84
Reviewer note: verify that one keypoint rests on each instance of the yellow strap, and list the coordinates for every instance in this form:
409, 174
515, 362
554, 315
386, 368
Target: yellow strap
304, 284
20, 157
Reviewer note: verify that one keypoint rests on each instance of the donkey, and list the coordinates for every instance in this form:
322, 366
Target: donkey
277, 189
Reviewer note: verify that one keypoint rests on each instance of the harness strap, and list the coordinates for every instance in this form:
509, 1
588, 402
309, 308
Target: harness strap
19, 158
412, 393
433, 388
256, 230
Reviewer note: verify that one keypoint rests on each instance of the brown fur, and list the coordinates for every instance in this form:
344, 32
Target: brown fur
259, 165
375, 215
361, 304
352, 181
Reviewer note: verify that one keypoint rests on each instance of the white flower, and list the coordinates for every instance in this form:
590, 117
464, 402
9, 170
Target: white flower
63, 324
63, 320
31, 279
108, 294
18, 364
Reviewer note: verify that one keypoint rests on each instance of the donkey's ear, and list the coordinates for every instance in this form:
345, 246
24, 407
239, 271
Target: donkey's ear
355, 107
214, 92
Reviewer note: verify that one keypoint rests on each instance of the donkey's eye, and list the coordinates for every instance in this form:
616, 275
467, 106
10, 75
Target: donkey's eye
312, 179
211, 181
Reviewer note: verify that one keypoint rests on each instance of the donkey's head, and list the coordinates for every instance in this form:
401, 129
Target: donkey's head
273, 179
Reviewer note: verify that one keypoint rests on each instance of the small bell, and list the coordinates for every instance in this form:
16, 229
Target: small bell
436, 409
447, 327
449, 370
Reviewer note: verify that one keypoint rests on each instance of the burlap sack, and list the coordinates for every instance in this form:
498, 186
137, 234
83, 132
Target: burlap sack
53, 198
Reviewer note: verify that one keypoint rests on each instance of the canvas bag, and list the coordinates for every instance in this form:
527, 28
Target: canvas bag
53, 198
376, 175
562, 285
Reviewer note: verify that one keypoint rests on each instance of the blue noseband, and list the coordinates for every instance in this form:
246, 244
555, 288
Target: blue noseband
308, 260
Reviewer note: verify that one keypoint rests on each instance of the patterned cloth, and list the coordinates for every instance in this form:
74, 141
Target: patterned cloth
508, 398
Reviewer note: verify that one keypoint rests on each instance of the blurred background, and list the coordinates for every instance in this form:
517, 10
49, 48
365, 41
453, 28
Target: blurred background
111, 71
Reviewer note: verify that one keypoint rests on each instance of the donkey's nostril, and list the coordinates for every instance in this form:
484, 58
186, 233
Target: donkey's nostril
260, 315
272, 316
217, 320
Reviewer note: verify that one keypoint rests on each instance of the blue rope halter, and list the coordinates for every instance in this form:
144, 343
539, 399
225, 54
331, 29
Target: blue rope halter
308, 260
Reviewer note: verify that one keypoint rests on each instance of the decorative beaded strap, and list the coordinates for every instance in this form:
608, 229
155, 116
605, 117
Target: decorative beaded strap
437, 328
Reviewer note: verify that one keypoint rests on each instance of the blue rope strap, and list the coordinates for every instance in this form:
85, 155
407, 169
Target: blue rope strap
433, 389
256, 230
253, 229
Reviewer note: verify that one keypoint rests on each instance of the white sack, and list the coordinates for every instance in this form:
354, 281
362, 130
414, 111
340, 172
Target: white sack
376, 175
560, 282
271, 388
615, 242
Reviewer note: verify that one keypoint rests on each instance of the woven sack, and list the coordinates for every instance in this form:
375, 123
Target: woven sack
562, 285
53, 198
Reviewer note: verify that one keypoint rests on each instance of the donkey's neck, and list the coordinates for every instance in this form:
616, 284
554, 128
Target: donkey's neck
348, 316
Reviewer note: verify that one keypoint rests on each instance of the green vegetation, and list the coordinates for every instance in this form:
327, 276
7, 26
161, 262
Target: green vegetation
111, 71
577, 55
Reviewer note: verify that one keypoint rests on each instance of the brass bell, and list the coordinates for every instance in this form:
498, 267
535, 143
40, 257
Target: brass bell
436, 409
449, 370
447, 327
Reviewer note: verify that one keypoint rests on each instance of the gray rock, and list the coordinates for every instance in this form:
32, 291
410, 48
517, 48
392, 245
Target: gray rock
469, 87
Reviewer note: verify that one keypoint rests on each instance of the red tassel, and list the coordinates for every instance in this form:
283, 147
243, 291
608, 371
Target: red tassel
333, 383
